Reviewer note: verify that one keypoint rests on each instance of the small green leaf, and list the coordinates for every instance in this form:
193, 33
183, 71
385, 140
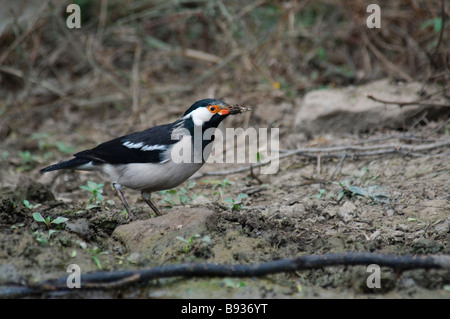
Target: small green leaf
435, 22
321, 192
27, 204
228, 200
38, 217
230, 283
51, 232
182, 239
241, 196
59, 220
206, 239
97, 262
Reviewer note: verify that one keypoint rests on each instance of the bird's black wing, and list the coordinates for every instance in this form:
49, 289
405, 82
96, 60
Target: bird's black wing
146, 146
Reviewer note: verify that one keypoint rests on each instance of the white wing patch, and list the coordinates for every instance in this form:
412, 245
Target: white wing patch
133, 145
154, 147
143, 147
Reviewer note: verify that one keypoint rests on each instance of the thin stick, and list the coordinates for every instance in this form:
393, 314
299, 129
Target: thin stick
338, 166
135, 77
117, 279
401, 104
329, 152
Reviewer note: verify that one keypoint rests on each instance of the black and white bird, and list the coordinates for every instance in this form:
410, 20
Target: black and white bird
159, 158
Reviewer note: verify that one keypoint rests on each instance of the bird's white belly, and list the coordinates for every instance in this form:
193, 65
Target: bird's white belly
151, 176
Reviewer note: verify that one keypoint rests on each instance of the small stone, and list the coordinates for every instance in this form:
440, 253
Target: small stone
156, 235
347, 211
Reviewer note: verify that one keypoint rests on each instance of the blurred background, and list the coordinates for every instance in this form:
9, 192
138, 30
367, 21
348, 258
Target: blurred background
134, 64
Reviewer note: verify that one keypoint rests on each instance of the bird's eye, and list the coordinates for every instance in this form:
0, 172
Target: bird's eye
213, 108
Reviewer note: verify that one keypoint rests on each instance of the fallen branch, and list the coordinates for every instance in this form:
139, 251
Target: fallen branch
424, 101
342, 152
115, 279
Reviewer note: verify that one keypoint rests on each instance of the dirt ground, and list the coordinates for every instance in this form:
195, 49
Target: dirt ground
299, 210
134, 65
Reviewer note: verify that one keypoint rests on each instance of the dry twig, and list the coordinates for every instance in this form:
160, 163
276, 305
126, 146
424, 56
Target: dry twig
423, 101
343, 152
115, 279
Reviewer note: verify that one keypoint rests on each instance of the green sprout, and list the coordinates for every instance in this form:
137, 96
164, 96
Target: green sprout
28, 205
45, 143
189, 241
235, 204
172, 196
96, 191
43, 238
220, 183
29, 161
94, 253
47, 221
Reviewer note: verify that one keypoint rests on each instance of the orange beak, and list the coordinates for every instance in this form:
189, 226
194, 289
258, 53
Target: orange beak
224, 111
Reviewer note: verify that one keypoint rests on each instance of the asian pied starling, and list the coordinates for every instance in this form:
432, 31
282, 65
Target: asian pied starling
150, 160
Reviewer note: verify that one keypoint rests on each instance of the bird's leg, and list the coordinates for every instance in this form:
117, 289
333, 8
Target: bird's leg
118, 189
146, 197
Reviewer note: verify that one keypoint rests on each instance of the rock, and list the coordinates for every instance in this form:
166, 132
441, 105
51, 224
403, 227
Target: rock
292, 210
347, 211
349, 110
200, 201
330, 211
155, 235
78, 226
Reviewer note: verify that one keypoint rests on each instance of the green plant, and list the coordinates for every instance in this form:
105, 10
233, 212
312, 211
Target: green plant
321, 192
17, 226
96, 191
259, 157
44, 143
29, 161
4, 155
436, 23
172, 196
447, 129
218, 184
44, 238
235, 204
223, 183
231, 283
375, 193
30, 206
94, 255
189, 241
47, 221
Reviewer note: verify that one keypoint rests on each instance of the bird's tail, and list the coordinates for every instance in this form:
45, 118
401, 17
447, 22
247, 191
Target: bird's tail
73, 163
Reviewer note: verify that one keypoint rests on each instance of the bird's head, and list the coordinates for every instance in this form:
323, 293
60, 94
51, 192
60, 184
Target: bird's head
209, 111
